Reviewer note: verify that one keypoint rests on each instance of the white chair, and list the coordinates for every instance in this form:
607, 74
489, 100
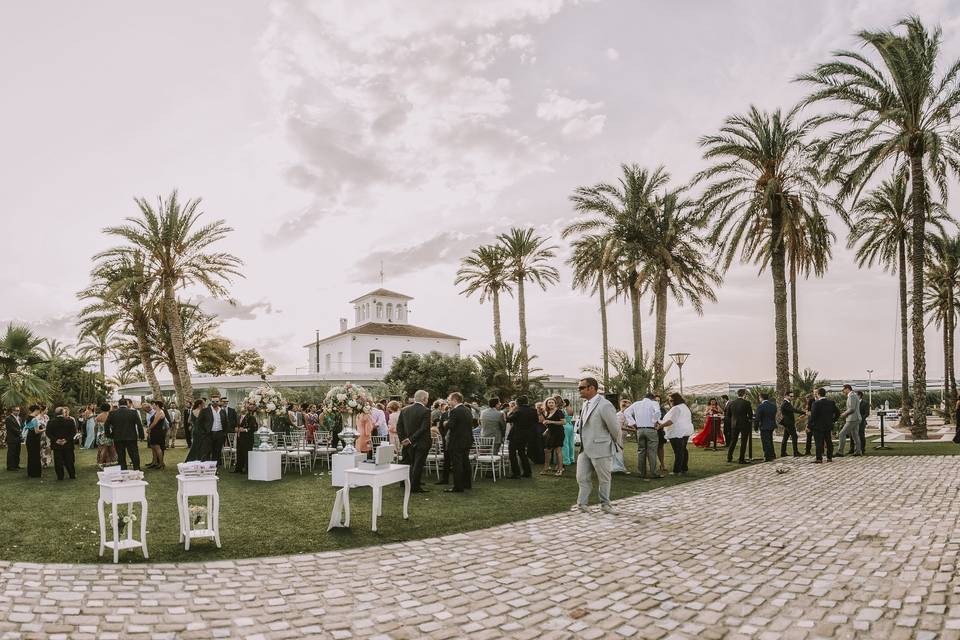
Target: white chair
435, 455
321, 448
376, 441
485, 457
228, 455
296, 452
504, 454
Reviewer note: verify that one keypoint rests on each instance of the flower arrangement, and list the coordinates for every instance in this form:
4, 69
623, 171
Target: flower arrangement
349, 399
267, 401
198, 514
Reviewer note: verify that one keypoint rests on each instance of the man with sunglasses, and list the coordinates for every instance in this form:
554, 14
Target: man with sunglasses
599, 438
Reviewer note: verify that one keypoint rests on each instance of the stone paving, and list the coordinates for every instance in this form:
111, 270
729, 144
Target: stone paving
863, 547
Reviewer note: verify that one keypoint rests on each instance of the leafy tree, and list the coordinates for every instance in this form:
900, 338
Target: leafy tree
895, 109
69, 382
502, 371
808, 381
484, 271
942, 282
248, 362
214, 356
96, 339
632, 378
436, 373
20, 354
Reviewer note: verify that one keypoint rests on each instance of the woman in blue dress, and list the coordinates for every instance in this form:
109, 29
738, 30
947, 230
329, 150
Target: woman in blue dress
569, 449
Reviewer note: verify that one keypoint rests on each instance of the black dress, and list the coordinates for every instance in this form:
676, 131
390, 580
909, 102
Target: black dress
34, 469
554, 435
158, 434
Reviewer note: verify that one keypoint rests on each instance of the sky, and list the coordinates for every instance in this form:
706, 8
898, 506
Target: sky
337, 136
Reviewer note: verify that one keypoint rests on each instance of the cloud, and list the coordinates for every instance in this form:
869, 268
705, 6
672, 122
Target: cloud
445, 247
612, 54
584, 128
223, 310
62, 327
578, 116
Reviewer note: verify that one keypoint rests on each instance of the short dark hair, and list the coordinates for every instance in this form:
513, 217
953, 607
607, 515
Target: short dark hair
104, 407
724, 397
860, 393
676, 398
649, 395
33, 407
493, 402
122, 402
847, 386
456, 395
522, 401
591, 382
822, 392
741, 393
764, 395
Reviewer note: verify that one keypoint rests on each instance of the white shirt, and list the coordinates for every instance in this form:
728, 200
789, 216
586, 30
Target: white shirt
642, 414
379, 420
217, 426
585, 410
682, 421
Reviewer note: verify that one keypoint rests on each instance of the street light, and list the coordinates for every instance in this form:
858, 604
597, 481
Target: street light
679, 359
870, 387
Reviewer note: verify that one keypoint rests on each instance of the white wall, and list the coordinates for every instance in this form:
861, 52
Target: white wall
393, 346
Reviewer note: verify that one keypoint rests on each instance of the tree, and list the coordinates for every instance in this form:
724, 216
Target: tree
762, 178
436, 373
527, 256
808, 381
880, 231
20, 354
592, 262
484, 271
96, 339
176, 250
631, 378
501, 369
895, 109
619, 212
214, 356
53, 349
249, 362
69, 383
942, 281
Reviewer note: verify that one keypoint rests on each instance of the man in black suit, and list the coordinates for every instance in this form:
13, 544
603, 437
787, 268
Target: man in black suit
413, 429
522, 434
14, 427
61, 431
739, 415
459, 442
864, 412
822, 417
233, 420
767, 418
213, 425
438, 418
788, 419
124, 425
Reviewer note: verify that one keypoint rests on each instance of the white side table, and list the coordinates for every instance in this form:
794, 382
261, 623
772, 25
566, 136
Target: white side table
340, 463
202, 486
264, 465
114, 493
377, 479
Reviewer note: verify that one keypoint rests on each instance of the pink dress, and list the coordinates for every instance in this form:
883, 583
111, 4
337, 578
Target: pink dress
392, 429
365, 428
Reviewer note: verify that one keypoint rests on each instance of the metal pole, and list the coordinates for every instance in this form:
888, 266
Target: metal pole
883, 414
680, 367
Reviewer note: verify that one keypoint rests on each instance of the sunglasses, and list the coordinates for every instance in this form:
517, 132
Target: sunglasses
582, 388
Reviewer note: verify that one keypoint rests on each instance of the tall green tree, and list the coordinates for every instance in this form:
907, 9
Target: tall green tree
880, 231
592, 261
177, 249
501, 369
528, 258
20, 355
762, 176
942, 283
894, 107
484, 271
96, 340
619, 212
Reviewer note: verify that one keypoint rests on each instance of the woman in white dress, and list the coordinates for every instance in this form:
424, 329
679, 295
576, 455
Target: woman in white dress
678, 425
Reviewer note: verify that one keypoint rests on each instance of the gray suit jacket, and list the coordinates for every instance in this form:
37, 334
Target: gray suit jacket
599, 429
492, 423
853, 407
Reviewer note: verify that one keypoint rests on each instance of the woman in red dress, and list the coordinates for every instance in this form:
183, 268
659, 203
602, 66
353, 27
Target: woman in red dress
713, 420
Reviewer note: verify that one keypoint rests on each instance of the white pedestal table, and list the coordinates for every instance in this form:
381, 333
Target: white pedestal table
114, 493
370, 476
198, 486
264, 464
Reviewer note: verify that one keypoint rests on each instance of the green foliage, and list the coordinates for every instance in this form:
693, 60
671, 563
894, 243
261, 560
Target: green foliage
305, 395
631, 378
808, 381
436, 373
20, 354
501, 369
216, 357
69, 383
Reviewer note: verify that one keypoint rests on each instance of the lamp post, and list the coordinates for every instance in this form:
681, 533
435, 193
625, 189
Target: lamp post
679, 359
870, 387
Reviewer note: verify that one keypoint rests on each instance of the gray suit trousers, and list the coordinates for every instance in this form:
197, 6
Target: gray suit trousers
647, 444
586, 466
850, 430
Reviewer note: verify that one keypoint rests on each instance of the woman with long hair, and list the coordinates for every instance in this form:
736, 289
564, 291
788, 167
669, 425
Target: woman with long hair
46, 453
33, 430
711, 423
394, 408
311, 422
553, 443
569, 446
247, 427
157, 430
365, 429
678, 424
194, 453
106, 452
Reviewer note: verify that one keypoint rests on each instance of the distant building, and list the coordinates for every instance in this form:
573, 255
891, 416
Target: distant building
834, 386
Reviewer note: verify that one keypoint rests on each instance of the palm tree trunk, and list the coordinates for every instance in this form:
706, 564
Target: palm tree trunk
524, 360
497, 336
918, 203
778, 269
146, 361
103, 367
175, 375
660, 340
604, 332
905, 419
946, 370
949, 380
175, 327
635, 317
793, 316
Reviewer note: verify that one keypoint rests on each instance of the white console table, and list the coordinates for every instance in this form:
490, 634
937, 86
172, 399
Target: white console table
377, 479
114, 493
199, 486
264, 465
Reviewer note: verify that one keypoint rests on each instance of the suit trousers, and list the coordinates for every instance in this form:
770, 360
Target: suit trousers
766, 441
647, 443
789, 433
447, 466
586, 466
64, 459
863, 436
518, 457
123, 448
806, 449
13, 455
217, 439
680, 454
743, 433
419, 461
460, 463
823, 439
849, 430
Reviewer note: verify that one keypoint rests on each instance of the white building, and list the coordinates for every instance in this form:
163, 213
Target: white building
380, 335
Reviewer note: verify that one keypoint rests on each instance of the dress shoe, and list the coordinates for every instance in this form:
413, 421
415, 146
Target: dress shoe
582, 508
818, 462
742, 462
606, 508
453, 490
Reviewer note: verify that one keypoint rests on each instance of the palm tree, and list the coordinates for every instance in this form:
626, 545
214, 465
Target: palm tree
897, 110
676, 266
880, 230
619, 212
942, 281
762, 179
485, 271
808, 381
502, 371
53, 349
632, 378
96, 340
591, 264
175, 247
20, 352
527, 258
124, 377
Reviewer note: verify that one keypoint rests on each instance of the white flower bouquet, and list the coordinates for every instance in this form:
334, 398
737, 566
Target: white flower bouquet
348, 399
267, 400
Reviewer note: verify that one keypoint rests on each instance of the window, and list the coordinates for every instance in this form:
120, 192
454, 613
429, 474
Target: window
327, 363
376, 359
339, 360
390, 311
407, 353
379, 311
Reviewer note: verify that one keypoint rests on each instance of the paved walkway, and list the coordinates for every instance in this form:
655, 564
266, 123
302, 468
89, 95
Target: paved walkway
863, 547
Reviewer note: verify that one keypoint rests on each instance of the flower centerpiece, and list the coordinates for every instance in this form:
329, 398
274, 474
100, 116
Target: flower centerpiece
348, 401
267, 403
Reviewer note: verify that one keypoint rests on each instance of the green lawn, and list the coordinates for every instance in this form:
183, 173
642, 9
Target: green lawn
50, 521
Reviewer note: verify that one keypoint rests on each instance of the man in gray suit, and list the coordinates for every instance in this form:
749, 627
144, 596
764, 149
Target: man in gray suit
493, 424
851, 426
599, 435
